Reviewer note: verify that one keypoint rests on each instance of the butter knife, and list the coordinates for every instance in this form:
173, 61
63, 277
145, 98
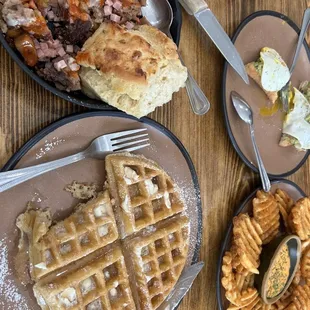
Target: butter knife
182, 287
213, 28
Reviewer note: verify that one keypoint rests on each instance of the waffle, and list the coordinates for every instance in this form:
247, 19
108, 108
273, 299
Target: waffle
157, 258
143, 192
96, 282
90, 227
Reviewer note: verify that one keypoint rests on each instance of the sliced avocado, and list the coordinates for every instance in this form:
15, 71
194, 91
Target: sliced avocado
305, 89
259, 64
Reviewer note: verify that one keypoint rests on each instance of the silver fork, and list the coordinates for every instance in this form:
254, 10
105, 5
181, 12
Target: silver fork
284, 92
130, 140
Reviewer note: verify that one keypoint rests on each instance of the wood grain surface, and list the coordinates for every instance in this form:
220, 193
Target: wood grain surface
25, 108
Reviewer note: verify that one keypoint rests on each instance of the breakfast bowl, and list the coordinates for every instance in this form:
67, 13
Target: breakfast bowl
77, 96
279, 263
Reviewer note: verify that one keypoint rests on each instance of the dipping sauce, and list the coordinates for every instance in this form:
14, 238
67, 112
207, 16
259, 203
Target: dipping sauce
279, 273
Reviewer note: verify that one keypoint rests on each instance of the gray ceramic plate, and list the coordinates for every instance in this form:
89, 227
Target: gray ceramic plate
66, 137
264, 29
291, 188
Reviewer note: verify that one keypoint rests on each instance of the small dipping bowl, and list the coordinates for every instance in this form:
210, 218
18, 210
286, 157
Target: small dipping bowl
269, 257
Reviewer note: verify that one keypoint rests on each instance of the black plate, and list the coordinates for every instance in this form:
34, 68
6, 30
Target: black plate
227, 118
78, 97
292, 189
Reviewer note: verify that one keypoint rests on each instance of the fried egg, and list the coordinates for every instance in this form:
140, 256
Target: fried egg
296, 123
275, 73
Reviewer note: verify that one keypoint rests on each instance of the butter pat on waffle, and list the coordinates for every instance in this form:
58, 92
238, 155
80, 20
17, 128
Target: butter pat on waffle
157, 259
144, 193
96, 282
90, 227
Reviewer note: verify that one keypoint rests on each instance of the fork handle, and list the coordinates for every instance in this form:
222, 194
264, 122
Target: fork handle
198, 100
10, 179
261, 168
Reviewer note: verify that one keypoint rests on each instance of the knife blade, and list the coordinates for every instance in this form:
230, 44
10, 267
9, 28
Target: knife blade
213, 28
182, 287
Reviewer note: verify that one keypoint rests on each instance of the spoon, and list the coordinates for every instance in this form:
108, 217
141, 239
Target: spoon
159, 14
245, 113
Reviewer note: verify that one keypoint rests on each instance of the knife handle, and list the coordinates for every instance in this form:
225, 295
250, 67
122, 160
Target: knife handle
193, 6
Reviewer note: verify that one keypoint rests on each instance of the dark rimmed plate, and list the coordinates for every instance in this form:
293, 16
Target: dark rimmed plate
78, 97
261, 29
65, 137
291, 188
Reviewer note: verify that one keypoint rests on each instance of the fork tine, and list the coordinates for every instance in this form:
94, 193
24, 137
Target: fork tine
127, 139
124, 133
135, 148
121, 146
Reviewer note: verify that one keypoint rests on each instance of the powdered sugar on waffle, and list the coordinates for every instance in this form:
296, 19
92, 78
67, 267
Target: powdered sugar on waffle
188, 195
11, 299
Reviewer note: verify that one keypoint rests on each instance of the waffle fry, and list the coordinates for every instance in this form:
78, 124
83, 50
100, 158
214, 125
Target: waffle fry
98, 281
300, 298
244, 281
228, 275
286, 299
285, 206
297, 277
301, 218
143, 192
266, 213
233, 307
246, 237
242, 299
305, 264
157, 259
258, 304
90, 227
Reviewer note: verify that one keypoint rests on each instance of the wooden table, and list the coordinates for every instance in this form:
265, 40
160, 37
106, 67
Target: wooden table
25, 108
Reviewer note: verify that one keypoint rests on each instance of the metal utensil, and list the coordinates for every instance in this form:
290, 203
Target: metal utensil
159, 14
130, 140
213, 28
284, 92
245, 113
182, 286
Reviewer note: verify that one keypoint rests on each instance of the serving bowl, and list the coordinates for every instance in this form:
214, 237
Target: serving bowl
269, 256
78, 97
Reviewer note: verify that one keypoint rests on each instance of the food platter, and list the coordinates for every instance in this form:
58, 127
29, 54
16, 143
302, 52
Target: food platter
63, 138
264, 29
294, 191
78, 97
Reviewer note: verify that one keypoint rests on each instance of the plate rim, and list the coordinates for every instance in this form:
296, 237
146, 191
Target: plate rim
224, 78
17, 156
73, 97
228, 233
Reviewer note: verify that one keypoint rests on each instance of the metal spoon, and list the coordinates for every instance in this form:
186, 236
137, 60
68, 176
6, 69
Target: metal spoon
159, 14
285, 90
245, 113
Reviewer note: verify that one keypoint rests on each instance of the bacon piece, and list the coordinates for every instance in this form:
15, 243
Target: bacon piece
60, 65
115, 18
107, 10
